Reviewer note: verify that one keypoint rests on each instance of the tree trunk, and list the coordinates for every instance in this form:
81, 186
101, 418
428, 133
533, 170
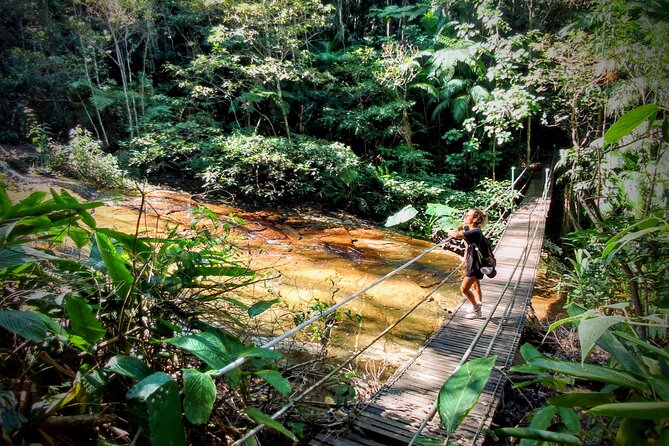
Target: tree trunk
634, 295
90, 85
529, 133
120, 61
283, 110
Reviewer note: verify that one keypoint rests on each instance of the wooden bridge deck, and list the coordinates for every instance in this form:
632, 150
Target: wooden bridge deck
396, 412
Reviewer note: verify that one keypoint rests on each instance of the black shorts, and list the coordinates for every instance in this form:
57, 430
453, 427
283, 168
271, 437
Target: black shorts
474, 273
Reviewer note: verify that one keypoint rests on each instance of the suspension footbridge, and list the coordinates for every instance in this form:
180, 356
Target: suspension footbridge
404, 409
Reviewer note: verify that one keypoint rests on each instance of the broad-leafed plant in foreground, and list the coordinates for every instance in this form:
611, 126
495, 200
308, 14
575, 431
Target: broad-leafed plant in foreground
99, 326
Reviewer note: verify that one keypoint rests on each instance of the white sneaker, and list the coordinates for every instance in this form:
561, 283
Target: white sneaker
474, 313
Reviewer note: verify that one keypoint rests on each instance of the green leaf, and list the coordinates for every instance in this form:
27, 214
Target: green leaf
653, 410
276, 380
14, 256
629, 121
154, 404
660, 385
78, 236
537, 434
541, 420
5, 202
24, 323
258, 352
83, 321
627, 358
268, 421
115, 264
404, 215
440, 210
581, 399
642, 343
128, 366
591, 372
528, 351
206, 346
570, 419
199, 396
643, 228
461, 391
260, 307
590, 330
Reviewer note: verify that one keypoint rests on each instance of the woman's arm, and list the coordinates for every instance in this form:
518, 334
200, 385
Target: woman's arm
458, 232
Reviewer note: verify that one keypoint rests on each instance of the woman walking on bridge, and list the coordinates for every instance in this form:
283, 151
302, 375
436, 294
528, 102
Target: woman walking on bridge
473, 235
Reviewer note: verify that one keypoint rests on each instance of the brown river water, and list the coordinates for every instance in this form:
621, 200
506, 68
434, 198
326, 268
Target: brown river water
308, 258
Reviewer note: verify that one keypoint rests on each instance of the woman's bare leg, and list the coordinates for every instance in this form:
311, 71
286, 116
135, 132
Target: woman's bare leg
466, 289
476, 288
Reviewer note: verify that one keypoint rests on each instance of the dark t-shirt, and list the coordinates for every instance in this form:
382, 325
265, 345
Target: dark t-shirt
474, 238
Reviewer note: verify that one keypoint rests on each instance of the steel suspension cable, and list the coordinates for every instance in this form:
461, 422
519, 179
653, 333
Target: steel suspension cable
317, 384
329, 310
433, 409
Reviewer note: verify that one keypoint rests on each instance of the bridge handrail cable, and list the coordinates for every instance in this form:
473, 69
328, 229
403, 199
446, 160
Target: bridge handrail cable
316, 385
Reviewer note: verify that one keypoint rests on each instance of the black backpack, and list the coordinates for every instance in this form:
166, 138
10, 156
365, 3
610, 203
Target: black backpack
487, 262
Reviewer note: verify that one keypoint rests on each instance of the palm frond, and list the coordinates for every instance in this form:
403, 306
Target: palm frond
479, 94
460, 108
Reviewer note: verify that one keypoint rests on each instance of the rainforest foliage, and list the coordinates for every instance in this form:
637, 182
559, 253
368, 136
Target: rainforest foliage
361, 105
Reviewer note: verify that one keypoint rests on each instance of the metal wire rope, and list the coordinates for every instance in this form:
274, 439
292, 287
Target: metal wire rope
314, 386
329, 310
433, 409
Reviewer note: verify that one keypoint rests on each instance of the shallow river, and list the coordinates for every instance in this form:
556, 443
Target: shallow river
310, 258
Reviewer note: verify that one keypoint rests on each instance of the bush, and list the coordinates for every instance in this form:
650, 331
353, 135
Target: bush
83, 159
400, 190
277, 168
167, 146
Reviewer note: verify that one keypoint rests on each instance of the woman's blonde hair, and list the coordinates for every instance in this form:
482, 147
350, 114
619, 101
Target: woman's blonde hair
478, 217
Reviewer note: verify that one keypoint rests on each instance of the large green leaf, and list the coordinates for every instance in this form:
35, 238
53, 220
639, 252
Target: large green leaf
591, 372
570, 418
199, 396
154, 405
581, 399
627, 359
121, 277
83, 321
206, 346
260, 307
268, 421
404, 215
537, 434
258, 352
652, 410
642, 343
276, 380
541, 420
27, 324
630, 121
632, 233
461, 391
5, 202
128, 366
13, 256
590, 330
